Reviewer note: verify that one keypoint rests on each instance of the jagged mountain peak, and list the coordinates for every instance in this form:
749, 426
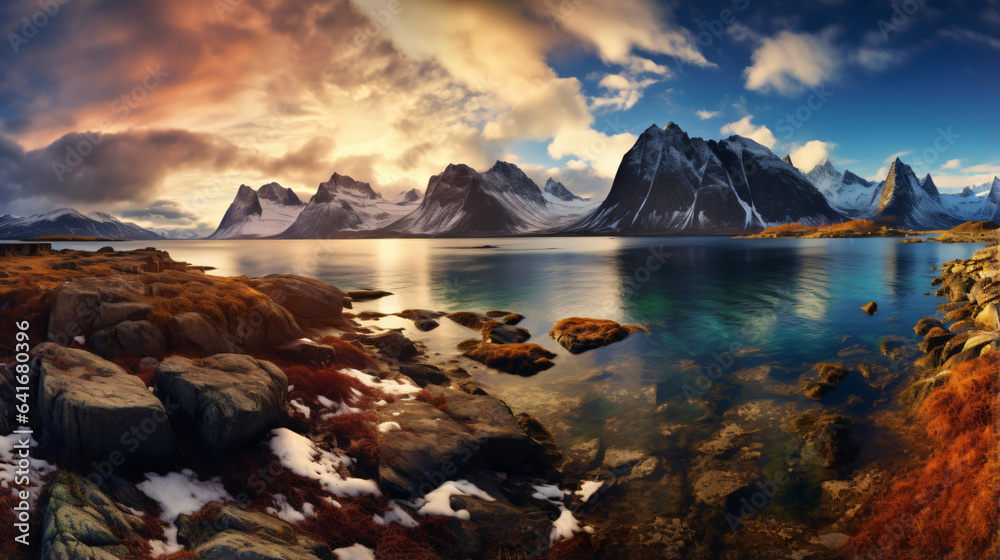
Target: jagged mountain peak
905, 202
558, 190
343, 184
278, 194
408, 197
788, 159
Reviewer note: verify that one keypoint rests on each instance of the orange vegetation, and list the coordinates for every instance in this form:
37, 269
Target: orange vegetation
526, 358
853, 226
946, 509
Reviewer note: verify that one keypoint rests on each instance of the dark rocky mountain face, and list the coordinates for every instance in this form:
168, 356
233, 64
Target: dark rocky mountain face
342, 184
408, 197
462, 201
279, 195
670, 181
906, 202
558, 190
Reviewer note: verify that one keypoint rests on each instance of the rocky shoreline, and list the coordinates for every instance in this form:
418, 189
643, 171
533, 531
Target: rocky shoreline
181, 415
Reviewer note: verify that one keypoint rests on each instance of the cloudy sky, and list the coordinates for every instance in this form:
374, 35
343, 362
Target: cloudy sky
158, 110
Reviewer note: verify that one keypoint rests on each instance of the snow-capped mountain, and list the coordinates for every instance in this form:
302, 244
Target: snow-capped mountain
177, 233
977, 202
67, 221
503, 200
846, 192
669, 181
408, 197
264, 212
907, 202
557, 190
343, 206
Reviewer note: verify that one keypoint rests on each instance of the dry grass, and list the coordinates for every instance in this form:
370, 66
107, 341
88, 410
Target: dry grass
947, 508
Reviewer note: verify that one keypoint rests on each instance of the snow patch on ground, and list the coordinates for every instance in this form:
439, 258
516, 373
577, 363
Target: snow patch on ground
300, 455
284, 510
566, 525
386, 427
548, 492
9, 464
179, 493
301, 407
354, 552
397, 515
438, 501
588, 488
387, 386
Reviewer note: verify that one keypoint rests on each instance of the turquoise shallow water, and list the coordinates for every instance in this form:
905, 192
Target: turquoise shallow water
784, 302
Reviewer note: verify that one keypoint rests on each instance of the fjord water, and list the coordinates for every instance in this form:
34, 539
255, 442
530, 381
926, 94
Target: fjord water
708, 302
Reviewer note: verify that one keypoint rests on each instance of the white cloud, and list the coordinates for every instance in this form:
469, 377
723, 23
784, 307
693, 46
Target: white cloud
810, 154
623, 92
745, 127
982, 168
616, 29
789, 62
881, 174
893, 157
952, 164
874, 59
705, 115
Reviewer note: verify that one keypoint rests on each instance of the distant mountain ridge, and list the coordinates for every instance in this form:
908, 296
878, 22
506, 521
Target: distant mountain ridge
67, 221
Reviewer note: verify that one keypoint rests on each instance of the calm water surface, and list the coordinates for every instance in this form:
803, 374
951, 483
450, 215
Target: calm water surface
785, 302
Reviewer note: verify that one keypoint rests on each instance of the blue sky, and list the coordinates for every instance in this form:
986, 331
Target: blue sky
161, 110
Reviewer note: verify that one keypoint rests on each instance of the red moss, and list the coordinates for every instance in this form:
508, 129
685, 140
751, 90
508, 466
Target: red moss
946, 508
439, 401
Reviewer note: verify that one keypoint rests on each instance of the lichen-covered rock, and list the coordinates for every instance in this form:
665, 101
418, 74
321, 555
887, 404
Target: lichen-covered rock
524, 359
81, 521
229, 399
578, 334
90, 406
223, 532
305, 298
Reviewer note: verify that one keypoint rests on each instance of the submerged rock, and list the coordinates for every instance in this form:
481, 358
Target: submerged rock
828, 437
229, 399
368, 295
830, 375
501, 333
469, 320
91, 407
578, 334
424, 319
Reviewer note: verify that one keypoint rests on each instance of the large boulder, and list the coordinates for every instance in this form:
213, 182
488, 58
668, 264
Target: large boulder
90, 304
91, 407
578, 334
81, 521
223, 532
129, 338
305, 298
194, 332
454, 435
228, 399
